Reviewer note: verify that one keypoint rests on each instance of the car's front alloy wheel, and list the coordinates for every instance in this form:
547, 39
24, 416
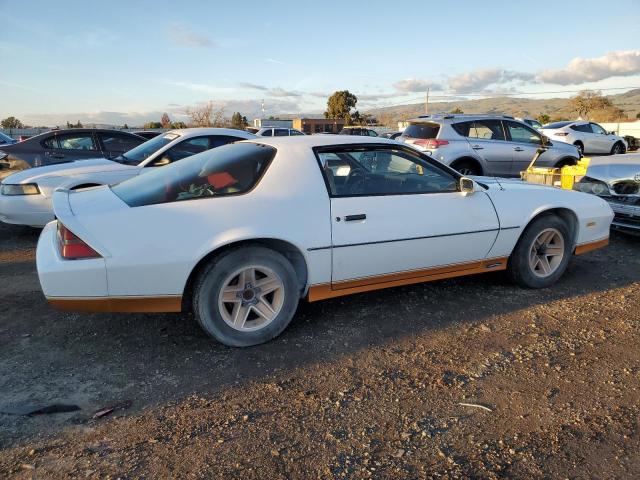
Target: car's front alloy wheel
542, 253
246, 296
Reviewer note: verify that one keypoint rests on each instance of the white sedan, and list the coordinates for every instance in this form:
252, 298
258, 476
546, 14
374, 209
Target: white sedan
239, 234
589, 137
25, 197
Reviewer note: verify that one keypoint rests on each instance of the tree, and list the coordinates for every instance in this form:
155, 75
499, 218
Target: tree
125, 127
11, 122
238, 121
204, 115
74, 125
340, 104
165, 121
543, 118
587, 101
178, 125
638, 116
457, 110
152, 125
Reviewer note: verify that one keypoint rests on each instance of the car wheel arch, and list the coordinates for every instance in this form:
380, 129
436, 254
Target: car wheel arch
566, 214
472, 160
564, 161
287, 249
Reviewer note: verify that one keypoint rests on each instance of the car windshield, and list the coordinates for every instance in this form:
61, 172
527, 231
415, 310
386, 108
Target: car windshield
146, 149
557, 124
226, 170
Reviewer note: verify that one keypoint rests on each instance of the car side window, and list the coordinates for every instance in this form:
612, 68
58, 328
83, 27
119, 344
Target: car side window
267, 133
585, 128
523, 134
219, 140
372, 133
280, 132
595, 128
116, 142
486, 130
295, 132
75, 141
182, 150
382, 171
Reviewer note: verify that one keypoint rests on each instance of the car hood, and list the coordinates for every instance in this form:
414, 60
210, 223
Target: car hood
79, 167
495, 183
615, 168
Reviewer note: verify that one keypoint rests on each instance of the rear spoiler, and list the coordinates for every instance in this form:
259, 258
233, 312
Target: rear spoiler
64, 213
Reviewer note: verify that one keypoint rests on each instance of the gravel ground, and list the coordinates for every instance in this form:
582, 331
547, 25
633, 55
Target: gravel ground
369, 386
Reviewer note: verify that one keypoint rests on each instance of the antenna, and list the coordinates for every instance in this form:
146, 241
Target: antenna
262, 103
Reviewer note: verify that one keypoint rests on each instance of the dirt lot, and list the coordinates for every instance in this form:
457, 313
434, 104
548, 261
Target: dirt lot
370, 386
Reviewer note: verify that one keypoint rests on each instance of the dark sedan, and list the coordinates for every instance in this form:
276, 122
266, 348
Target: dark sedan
61, 146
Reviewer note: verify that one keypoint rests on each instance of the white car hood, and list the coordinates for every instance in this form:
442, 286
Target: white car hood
495, 183
80, 167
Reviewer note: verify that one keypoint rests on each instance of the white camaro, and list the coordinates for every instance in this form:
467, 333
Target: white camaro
25, 197
240, 233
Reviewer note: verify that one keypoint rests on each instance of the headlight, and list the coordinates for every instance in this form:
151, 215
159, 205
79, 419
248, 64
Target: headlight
591, 185
23, 189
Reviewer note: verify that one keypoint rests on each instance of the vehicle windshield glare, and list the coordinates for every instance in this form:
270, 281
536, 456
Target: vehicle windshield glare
226, 170
146, 149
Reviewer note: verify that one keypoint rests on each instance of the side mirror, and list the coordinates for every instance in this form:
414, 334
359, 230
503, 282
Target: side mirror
467, 186
162, 162
546, 142
612, 133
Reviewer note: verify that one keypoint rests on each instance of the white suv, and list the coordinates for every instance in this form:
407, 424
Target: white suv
589, 137
484, 144
278, 132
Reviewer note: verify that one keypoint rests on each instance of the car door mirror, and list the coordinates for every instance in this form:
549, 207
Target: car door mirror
611, 133
467, 186
162, 162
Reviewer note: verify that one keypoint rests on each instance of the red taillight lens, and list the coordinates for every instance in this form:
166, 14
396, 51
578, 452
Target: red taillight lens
561, 134
431, 143
72, 247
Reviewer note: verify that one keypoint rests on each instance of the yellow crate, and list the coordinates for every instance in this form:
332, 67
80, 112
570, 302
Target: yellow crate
543, 176
572, 173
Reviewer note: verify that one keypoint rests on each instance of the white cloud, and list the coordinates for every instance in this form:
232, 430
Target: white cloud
479, 80
185, 37
413, 85
271, 91
581, 70
200, 87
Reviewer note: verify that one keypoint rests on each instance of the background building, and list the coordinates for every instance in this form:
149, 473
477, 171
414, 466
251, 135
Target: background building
318, 125
271, 122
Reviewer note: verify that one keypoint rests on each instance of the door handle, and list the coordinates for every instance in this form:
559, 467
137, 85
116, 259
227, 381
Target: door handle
477, 147
351, 218
518, 149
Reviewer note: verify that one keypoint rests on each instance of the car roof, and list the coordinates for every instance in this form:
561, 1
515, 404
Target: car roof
192, 132
322, 140
439, 117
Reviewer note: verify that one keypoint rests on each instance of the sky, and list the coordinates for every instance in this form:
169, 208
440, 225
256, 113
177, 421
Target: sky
129, 61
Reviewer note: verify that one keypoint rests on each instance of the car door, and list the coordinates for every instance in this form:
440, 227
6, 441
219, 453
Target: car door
601, 141
70, 146
525, 142
396, 212
116, 143
488, 140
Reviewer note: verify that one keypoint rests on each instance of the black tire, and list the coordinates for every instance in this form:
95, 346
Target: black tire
519, 269
566, 161
618, 148
580, 147
466, 167
210, 282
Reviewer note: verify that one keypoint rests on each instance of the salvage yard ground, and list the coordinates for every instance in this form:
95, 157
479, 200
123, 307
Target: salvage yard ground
370, 386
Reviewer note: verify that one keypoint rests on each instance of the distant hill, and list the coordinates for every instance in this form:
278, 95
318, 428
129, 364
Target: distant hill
517, 107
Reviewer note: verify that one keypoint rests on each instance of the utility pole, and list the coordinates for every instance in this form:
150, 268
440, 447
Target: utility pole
262, 105
426, 102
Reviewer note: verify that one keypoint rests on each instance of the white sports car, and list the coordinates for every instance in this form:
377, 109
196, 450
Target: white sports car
25, 197
589, 137
242, 232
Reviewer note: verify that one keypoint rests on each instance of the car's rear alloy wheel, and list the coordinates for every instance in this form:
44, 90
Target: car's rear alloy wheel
618, 149
546, 252
542, 253
251, 298
246, 296
466, 167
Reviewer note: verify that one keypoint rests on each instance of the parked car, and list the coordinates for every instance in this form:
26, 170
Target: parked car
588, 137
148, 134
242, 232
533, 123
277, 132
616, 179
25, 197
60, 146
366, 132
484, 144
6, 140
390, 135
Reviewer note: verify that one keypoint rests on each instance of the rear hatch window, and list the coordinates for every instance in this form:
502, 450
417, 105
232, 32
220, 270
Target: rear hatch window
421, 130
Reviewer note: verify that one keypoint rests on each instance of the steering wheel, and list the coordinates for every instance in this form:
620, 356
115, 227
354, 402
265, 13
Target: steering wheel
355, 181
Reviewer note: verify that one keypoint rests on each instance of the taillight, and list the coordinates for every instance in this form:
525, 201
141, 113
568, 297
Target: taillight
72, 247
431, 143
561, 134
